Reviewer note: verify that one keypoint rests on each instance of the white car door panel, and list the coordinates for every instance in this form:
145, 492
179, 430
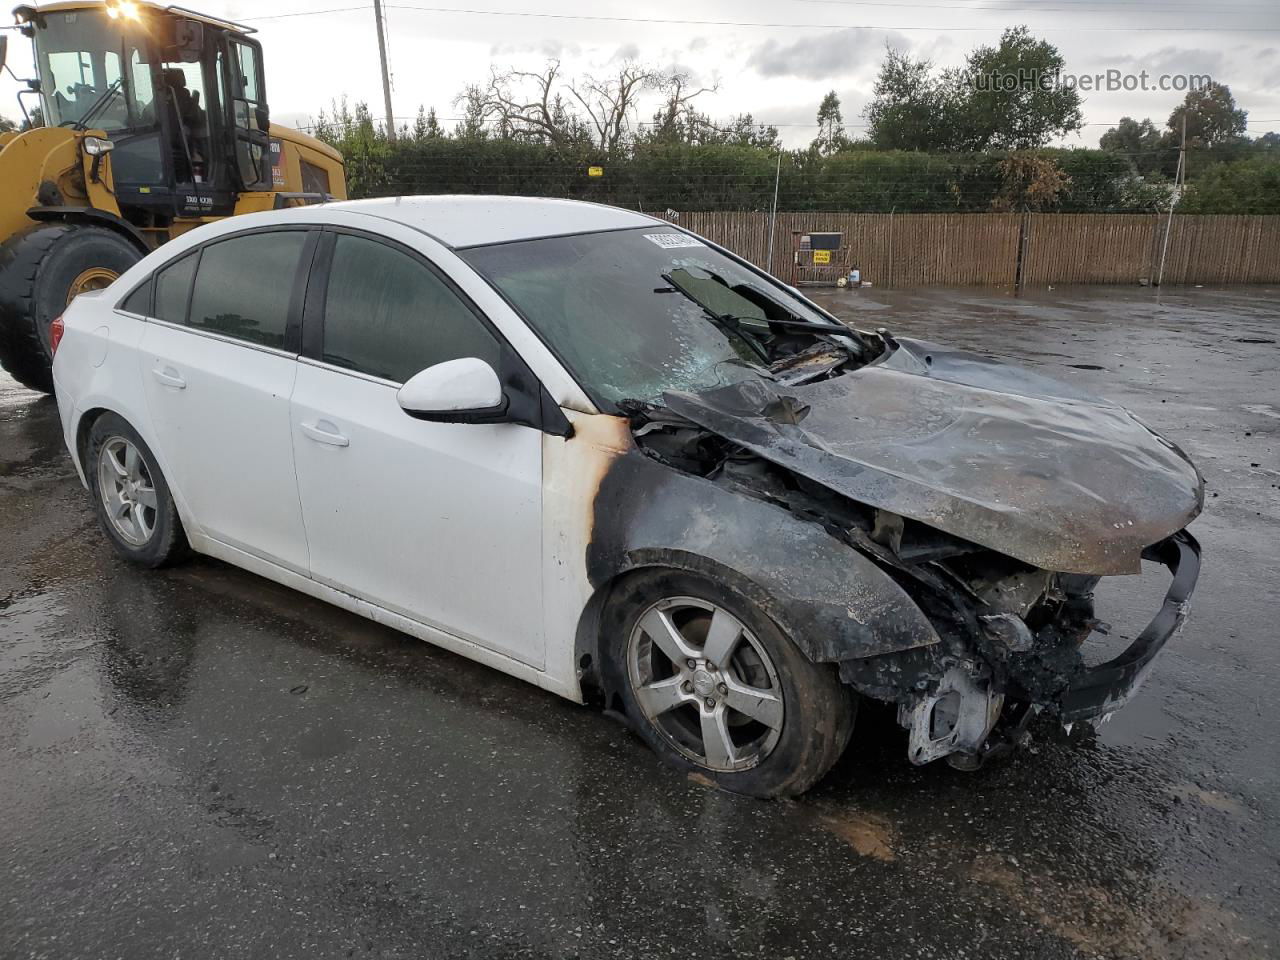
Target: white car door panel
221, 411
439, 522
217, 371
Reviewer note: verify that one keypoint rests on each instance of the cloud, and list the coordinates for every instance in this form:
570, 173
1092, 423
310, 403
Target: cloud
1178, 60
550, 49
838, 53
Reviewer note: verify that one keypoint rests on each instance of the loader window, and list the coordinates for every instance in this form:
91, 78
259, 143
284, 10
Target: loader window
80, 57
248, 114
142, 91
248, 72
80, 80
187, 99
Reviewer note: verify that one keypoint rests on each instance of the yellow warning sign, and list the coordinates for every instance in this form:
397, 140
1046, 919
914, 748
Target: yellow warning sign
595, 171
821, 257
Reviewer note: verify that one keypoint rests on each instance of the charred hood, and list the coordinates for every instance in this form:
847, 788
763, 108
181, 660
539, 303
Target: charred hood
979, 449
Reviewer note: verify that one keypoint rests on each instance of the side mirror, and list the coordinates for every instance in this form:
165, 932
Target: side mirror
4, 49
457, 391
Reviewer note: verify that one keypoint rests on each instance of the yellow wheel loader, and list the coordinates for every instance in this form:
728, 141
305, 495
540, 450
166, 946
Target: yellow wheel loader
155, 121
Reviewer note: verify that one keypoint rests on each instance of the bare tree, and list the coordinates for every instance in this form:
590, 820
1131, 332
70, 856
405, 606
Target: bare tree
525, 104
677, 116
611, 101
543, 105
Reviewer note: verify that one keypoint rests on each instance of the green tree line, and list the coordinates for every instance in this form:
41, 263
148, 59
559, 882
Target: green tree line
858, 177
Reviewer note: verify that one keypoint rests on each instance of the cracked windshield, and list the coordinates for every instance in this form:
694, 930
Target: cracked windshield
634, 313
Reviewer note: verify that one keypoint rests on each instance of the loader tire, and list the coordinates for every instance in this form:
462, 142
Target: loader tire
38, 268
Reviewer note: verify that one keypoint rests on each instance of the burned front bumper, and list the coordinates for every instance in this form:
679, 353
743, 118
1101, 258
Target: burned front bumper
1101, 689
972, 710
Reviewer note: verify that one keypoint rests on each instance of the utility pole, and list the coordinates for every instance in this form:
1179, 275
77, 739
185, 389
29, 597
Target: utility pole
773, 214
1179, 179
386, 76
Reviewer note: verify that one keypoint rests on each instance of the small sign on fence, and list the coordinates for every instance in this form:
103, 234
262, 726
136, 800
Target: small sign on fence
821, 257
595, 171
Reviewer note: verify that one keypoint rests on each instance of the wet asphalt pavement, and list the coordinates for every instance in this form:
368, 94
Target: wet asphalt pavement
198, 763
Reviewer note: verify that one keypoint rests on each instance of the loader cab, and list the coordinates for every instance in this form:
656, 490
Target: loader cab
181, 98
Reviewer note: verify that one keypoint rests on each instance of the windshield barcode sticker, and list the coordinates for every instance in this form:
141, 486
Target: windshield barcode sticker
670, 241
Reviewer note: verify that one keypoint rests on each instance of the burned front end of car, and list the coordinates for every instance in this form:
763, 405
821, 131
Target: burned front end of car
975, 511
1013, 641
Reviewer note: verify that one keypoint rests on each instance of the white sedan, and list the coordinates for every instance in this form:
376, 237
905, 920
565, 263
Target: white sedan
592, 450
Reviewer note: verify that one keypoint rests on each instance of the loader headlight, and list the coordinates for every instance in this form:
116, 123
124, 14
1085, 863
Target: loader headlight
122, 8
96, 146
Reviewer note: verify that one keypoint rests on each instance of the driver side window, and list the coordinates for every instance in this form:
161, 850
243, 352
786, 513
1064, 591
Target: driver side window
390, 316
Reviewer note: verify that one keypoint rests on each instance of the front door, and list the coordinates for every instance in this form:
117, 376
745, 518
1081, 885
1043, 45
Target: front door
438, 522
218, 377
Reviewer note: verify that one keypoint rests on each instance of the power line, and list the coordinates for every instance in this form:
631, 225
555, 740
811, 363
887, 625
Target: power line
598, 18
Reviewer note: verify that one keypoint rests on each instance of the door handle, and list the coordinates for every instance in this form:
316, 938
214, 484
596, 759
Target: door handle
169, 377
324, 432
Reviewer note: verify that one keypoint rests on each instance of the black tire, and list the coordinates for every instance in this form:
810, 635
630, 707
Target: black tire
37, 269
818, 711
167, 543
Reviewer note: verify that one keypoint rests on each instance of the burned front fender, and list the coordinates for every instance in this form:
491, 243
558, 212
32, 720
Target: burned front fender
834, 602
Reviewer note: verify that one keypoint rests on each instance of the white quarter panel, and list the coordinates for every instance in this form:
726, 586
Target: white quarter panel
96, 367
225, 437
439, 522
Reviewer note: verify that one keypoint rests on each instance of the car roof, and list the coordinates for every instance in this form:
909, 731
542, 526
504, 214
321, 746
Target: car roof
470, 221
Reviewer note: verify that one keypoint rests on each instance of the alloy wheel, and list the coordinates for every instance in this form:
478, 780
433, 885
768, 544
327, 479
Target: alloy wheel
127, 491
705, 683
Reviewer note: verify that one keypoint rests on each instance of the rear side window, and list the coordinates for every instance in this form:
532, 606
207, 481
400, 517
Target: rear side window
244, 286
139, 301
390, 316
173, 289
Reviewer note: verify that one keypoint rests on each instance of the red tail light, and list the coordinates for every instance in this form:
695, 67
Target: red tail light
56, 330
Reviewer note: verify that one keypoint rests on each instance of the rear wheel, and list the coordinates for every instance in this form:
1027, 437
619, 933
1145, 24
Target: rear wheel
716, 688
42, 270
131, 497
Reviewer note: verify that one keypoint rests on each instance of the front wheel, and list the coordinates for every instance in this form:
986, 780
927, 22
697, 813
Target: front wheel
716, 688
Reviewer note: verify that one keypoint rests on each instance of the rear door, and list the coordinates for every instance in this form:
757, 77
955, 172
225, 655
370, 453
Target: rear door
218, 363
439, 522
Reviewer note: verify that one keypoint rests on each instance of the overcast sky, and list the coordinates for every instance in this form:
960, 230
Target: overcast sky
773, 58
